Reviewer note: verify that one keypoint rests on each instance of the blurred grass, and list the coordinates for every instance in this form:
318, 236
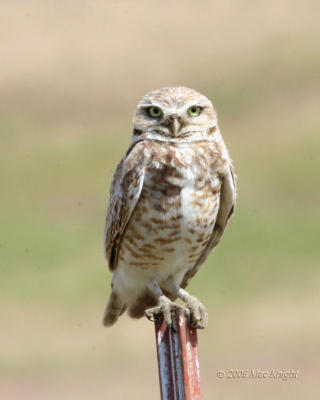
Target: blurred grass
70, 78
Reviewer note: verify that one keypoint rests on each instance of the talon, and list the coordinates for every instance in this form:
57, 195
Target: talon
198, 313
187, 311
165, 308
167, 318
149, 316
151, 312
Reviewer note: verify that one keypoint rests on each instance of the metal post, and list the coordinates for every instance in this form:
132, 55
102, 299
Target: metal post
178, 358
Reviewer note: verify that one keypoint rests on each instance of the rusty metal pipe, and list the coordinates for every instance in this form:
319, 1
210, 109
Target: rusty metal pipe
178, 358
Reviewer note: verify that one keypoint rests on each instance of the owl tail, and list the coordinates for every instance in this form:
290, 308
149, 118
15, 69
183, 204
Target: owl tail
114, 309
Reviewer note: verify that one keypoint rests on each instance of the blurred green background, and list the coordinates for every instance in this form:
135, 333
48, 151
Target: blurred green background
71, 74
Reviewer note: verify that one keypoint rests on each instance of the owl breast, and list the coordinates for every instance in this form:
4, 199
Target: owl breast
174, 217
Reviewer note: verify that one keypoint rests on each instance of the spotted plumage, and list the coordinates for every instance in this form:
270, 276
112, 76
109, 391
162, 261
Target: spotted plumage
170, 200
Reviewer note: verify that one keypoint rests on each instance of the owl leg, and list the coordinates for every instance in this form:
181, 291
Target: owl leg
165, 305
198, 313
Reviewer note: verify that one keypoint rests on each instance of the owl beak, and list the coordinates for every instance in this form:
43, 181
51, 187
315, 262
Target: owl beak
175, 125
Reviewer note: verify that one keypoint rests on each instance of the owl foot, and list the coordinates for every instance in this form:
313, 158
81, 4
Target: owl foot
198, 313
164, 307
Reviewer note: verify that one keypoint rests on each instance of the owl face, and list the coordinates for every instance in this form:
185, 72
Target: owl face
174, 114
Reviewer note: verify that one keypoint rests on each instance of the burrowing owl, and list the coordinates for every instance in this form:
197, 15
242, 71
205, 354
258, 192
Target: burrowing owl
171, 198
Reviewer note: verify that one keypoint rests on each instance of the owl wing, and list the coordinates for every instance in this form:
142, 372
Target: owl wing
125, 191
226, 209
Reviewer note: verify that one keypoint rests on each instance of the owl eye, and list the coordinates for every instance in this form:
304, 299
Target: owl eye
154, 112
194, 111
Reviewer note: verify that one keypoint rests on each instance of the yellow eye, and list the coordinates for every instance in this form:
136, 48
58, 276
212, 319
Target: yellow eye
194, 111
155, 112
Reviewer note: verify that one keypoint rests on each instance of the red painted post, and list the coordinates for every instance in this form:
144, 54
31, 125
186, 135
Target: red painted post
178, 359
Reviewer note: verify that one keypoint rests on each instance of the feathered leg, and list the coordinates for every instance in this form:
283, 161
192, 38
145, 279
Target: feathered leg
165, 305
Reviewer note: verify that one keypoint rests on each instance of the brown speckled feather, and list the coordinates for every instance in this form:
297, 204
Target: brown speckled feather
124, 193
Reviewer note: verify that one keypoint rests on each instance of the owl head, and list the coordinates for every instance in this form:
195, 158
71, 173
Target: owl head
174, 114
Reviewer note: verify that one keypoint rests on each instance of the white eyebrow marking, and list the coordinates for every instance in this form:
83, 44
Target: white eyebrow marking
152, 103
